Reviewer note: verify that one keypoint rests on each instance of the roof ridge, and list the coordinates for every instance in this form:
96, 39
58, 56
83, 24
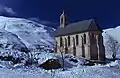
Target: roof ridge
75, 27
81, 21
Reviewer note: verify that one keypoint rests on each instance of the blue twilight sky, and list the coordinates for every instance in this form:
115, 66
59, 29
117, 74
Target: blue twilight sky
106, 12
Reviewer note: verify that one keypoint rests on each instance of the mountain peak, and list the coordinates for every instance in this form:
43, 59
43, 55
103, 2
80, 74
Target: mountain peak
30, 33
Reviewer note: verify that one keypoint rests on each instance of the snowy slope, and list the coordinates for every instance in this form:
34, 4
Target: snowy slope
114, 32
28, 33
8, 40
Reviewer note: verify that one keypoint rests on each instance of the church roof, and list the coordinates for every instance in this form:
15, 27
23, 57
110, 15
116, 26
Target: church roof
78, 27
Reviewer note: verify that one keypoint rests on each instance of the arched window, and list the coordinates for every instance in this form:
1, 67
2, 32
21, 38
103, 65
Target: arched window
74, 47
84, 39
83, 48
61, 42
61, 20
66, 48
77, 40
65, 42
68, 40
73, 41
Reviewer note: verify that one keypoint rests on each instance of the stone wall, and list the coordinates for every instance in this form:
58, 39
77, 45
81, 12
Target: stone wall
92, 47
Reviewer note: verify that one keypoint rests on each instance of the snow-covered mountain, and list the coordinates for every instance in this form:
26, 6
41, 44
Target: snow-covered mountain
19, 32
114, 32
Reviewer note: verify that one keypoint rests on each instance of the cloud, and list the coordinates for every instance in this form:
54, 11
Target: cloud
6, 11
45, 22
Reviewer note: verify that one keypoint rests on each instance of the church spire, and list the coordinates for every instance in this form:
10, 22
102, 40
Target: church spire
63, 12
63, 19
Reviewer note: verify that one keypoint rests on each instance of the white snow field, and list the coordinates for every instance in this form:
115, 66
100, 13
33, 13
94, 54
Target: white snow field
76, 72
20, 32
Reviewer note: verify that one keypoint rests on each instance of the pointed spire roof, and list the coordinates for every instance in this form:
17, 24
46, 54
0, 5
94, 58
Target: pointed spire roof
63, 12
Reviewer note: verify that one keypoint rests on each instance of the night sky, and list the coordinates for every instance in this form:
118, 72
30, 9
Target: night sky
106, 12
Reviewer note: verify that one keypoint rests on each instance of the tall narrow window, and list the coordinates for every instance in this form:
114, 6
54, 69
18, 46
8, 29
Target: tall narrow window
61, 42
66, 49
68, 40
73, 41
74, 47
84, 39
83, 48
65, 42
77, 40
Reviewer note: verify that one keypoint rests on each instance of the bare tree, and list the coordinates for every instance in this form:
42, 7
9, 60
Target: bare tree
61, 49
112, 45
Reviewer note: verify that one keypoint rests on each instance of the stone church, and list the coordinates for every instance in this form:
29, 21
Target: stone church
83, 38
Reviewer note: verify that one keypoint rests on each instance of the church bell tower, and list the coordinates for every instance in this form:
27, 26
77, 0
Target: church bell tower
63, 20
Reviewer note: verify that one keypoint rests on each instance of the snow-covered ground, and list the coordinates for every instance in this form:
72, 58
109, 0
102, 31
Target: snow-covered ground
76, 72
73, 70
